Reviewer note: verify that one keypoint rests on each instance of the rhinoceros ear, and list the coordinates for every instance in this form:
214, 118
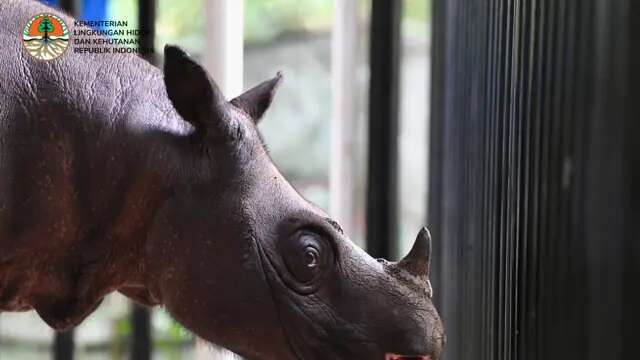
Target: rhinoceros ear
194, 95
256, 101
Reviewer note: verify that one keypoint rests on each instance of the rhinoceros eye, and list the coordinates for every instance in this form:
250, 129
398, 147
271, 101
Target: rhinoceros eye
307, 256
311, 257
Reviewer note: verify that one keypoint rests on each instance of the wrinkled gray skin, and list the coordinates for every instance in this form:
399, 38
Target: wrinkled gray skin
115, 176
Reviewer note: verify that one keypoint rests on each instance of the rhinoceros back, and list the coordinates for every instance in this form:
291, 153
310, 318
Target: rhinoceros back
74, 136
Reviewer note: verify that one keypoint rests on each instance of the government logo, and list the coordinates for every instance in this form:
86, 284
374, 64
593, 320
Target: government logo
45, 36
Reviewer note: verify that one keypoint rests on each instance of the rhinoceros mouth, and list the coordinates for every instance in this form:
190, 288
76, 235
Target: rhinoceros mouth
390, 356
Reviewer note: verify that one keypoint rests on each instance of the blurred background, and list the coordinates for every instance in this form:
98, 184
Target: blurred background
317, 131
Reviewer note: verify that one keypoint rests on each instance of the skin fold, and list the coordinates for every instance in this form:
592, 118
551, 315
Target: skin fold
118, 176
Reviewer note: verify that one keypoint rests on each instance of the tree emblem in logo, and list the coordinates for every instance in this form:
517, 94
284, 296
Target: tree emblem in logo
45, 37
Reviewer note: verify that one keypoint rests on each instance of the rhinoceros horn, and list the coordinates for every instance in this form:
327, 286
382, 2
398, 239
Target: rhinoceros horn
417, 260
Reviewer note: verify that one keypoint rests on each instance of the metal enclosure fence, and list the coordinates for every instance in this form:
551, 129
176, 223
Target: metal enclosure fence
534, 138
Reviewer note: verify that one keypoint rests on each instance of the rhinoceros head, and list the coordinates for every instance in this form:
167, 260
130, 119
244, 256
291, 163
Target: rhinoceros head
242, 260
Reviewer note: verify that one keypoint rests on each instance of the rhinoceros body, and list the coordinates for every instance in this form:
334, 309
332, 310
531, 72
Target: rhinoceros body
117, 176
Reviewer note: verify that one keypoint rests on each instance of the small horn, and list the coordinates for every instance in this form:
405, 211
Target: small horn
417, 260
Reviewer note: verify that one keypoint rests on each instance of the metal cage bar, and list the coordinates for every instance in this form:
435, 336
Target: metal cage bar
382, 183
63, 342
534, 152
142, 341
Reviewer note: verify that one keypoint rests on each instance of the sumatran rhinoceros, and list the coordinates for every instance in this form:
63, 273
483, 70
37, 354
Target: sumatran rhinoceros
117, 176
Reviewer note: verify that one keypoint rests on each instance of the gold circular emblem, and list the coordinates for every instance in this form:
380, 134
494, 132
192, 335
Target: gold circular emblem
45, 36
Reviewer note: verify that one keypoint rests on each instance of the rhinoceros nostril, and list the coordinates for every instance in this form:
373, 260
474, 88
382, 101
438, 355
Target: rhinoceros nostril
390, 356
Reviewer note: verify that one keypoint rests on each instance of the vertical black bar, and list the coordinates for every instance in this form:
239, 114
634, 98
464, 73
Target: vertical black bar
147, 25
434, 217
141, 346
382, 189
63, 346
69, 6
63, 343
534, 171
631, 273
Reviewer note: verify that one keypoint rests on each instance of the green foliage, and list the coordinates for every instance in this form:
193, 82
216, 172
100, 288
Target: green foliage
416, 14
45, 26
177, 22
123, 327
179, 333
264, 20
419, 10
124, 10
181, 22
267, 19
166, 329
